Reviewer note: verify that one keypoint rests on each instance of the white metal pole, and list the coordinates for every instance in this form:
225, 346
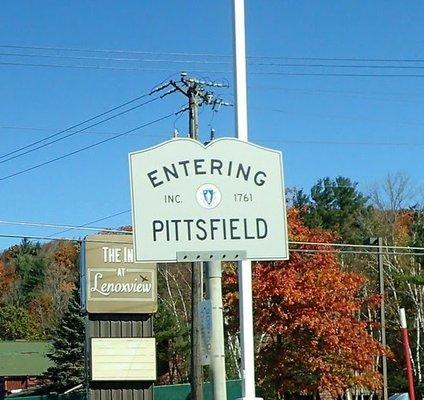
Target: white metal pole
246, 330
240, 70
402, 317
244, 267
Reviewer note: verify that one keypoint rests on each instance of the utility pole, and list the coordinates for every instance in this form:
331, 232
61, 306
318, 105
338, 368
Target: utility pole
382, 313
194, 90
196, 270
379, 242
196, 350
193, 112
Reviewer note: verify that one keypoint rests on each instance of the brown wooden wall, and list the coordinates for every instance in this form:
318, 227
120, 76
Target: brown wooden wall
21, 382
115, 326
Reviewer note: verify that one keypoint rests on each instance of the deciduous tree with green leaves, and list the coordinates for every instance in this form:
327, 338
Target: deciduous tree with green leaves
17, 323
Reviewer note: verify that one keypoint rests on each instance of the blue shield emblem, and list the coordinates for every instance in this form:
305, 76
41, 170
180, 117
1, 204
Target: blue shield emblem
208, 195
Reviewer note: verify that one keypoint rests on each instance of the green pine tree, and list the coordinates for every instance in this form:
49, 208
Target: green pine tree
172, 345
335, 204
68, 349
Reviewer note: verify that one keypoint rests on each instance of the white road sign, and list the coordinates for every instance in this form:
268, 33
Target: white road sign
205, 311
226, 196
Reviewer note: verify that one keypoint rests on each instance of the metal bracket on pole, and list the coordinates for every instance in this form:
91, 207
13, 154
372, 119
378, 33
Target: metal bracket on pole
192, 256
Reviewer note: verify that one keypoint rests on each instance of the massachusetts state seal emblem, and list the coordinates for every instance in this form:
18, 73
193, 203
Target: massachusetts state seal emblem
208, 196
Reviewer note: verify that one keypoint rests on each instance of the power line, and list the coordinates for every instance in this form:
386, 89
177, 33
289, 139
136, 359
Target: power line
293, 250
354, 252
102, 67
291, 242
185, 54
192, 61
343, 143
339, 74
78, 131
358, 246
121, 51
36, 237
343, 117
46, 225
76, 125
33, 128
91, 222
340, 59
312, 142
102, 133
87, 147
353, 66
271, 73
372, 96
124, 59
335, 91
318, 142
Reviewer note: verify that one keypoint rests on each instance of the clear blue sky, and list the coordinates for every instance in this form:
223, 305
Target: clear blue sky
358, 120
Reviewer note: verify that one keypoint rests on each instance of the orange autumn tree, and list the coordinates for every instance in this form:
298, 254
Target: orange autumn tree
306, 315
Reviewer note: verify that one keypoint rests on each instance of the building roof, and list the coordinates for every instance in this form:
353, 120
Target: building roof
22, 358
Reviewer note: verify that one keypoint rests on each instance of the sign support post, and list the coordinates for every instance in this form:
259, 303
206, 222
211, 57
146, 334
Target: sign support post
245, 266
217, 351
379, 243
